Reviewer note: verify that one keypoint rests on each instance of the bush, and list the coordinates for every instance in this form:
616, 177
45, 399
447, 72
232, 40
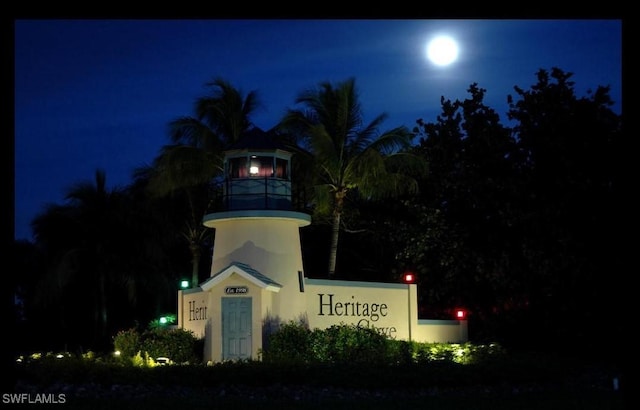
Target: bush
177, 344
295, 343
290, 343
349, 344
127, 342
401, 352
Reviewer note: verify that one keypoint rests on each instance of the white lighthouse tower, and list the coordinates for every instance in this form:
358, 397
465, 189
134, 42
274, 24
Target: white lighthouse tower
257, 276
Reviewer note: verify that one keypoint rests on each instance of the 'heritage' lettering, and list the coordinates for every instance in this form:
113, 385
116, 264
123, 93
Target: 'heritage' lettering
357, 309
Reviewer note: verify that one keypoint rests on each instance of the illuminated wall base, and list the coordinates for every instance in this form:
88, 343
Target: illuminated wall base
234, 308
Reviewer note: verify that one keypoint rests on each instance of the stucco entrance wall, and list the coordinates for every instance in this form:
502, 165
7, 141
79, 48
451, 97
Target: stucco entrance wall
194, 310
385, 306
392, 308
441, 331
201, 313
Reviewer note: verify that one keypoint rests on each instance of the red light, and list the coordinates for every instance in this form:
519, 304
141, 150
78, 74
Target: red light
461, 314
409, 277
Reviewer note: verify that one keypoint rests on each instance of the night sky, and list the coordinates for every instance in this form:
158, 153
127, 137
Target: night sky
99, 94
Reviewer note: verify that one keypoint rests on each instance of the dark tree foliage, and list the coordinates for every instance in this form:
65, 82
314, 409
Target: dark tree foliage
103, 263
518, 225
457, 232
571, 215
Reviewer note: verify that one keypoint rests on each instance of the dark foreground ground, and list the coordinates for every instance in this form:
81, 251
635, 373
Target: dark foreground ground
122, 397
521, 385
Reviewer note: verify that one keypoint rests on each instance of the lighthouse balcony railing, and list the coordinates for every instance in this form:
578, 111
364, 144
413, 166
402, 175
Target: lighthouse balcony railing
257, 193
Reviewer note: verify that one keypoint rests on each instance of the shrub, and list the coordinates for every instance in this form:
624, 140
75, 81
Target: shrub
349, 344
290, 343
294, 343
127, 342
177, 344
401, 351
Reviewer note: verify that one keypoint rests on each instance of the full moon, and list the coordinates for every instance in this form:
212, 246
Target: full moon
442, 50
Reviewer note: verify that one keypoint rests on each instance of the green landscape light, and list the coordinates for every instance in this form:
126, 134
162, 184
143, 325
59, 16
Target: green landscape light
163, 320
184, 284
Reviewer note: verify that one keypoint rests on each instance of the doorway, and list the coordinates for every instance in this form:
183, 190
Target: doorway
236, 328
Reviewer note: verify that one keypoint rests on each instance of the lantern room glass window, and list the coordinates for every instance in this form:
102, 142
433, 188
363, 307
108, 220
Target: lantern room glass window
238, 167
258, 166
281, 168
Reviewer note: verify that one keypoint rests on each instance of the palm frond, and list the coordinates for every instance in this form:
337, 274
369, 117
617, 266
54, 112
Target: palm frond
393, 141
227, 111
182, 166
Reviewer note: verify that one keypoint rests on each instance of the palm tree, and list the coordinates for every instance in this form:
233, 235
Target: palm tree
195, 156
105, 262
86, 237
350, 159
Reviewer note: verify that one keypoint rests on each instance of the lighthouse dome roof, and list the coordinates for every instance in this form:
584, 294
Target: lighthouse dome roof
257, 139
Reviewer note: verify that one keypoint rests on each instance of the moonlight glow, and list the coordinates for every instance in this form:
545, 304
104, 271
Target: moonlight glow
442, 50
